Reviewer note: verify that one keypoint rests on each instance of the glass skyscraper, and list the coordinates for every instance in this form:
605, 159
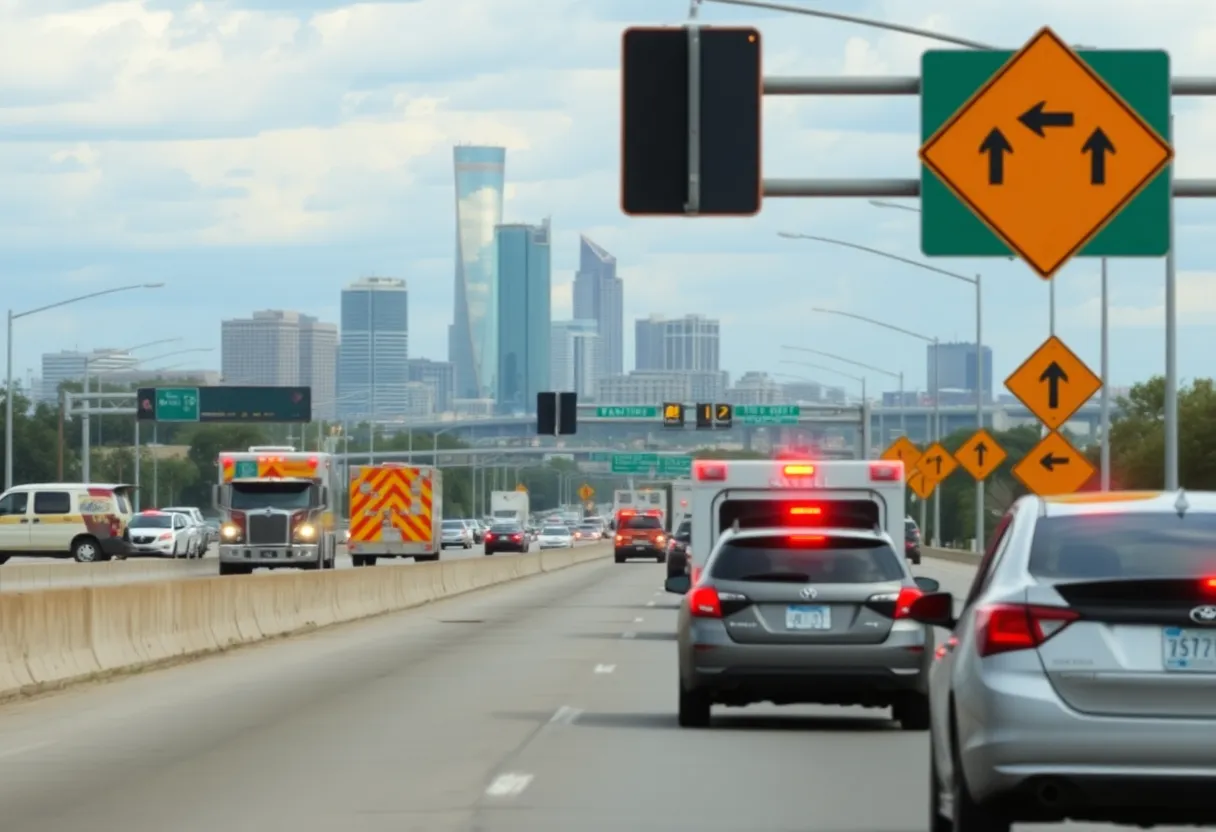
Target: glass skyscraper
373, 357
599, 296
473, 336
524, 315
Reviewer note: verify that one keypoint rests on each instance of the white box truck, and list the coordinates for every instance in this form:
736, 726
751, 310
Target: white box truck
509, 507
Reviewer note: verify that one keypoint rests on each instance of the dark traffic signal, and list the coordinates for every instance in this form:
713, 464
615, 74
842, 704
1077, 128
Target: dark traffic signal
556, 414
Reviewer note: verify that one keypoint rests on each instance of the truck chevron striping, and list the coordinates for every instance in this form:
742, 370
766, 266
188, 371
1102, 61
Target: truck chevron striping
395, 511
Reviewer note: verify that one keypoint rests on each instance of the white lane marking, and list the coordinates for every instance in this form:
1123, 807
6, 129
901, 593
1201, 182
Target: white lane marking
637, 620
23, 749
511, 784
565, 715
650, 603
629, 635
605, 668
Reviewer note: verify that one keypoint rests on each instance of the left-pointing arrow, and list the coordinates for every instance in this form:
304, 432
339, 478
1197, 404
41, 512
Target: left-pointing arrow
1037, 120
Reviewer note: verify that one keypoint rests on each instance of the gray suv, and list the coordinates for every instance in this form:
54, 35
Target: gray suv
790, 617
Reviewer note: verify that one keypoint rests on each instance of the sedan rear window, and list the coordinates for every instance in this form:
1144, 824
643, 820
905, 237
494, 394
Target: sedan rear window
457, 525
556, 531
799, 558
643, 522
151, 521
500, 528
1098, 547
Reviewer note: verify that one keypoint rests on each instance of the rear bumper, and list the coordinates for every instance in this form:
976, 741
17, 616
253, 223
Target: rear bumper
639, 550
269, 555
495, 546
393, 550
1168, 798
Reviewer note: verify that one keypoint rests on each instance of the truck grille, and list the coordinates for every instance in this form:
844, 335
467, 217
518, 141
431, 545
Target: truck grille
267, 528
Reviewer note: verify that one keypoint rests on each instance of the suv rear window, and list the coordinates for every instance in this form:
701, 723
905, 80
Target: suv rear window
643, 523
762, 514
825, 560
1098, 547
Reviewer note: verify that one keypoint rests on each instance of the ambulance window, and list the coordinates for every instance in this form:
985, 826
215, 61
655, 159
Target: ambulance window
14, 503
764, 514
52, 502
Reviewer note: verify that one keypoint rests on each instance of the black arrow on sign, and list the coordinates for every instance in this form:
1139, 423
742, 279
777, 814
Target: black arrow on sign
1098, 145
996, 146
981, 450
1053, 375
1050, 462
938, 460
1037, 121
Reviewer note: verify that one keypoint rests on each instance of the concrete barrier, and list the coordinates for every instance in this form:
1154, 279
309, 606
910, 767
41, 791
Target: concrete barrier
25, 577
953, 555
55, 637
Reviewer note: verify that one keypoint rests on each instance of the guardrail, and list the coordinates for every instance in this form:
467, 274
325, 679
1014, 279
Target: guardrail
56, 637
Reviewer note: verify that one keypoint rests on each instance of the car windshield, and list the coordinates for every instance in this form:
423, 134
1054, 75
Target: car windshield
152, 521
284, 495
453, 525
684, 532
807, 558
587, 527
556, 531
643, 522
1132, 546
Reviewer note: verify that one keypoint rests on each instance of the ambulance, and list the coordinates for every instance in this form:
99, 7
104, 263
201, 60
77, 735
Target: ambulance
396, 511
279, 508
768, 493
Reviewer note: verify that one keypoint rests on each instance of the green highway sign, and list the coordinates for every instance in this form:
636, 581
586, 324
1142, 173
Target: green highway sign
599, 456
951, 78
627, 412
646, 464
767, 414
177, 404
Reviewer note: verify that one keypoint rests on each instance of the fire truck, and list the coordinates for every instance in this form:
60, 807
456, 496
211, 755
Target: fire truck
396, 511
279, 509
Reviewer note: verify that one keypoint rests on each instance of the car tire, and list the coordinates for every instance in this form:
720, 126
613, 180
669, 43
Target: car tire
937, 821
694, 708
87, 550
970, 816
912, 712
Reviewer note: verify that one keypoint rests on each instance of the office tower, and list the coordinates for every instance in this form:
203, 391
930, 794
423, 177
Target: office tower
473, 336
599, 296
691, 343
439, 376
574, 358
524, 315
373, 362
648, 349
72, 365
958, 368
279, 348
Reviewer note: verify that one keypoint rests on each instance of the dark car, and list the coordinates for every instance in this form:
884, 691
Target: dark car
677, 549
506, 537
911, 541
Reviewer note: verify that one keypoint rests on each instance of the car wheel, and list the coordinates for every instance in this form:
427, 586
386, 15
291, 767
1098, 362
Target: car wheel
695, 706
86, 550
970, 816
912, 712
937, 821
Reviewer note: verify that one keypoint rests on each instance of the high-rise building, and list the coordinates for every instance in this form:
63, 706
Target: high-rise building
278, 348
373, 362
574, 358
71, 365
958, 369
473, 336
692, 343
648, 345
440, 376
599, 296
524, 315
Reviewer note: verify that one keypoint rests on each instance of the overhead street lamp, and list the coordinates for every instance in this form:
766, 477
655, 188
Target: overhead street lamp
102, 355
8, 389
975, 281
937, 413
879, 370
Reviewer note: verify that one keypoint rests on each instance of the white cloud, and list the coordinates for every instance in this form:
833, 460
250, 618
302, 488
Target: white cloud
1196, 304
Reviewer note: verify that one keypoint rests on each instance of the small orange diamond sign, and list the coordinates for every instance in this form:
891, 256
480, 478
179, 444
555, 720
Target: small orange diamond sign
1053, 467
1053, 383
1046, 153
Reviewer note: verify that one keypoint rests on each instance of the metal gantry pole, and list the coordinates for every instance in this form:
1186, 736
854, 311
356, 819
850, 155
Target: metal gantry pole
1104, 464
8, 408
937, 437
979, 407
903, 406
1171, 350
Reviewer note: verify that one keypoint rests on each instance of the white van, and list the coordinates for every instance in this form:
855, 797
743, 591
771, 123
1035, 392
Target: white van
83, 521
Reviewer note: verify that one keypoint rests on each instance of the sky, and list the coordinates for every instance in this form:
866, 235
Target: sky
256, 154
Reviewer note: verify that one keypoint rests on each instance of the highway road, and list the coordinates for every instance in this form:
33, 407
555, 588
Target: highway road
545, 705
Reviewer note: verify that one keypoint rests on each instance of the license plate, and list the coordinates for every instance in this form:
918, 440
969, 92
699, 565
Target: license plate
268, 553
808, 618
1186, 650
639, 547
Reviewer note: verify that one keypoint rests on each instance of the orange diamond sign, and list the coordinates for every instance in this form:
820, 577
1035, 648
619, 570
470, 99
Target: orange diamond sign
1046, 153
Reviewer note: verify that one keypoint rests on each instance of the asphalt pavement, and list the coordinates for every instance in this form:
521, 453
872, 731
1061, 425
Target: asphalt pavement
545, 705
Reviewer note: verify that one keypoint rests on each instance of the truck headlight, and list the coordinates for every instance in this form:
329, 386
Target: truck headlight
230, 532
306, 531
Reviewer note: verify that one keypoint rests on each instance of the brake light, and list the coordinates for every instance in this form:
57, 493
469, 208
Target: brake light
517, 537
903, 604
1003, 628
807, 538
1208, 584
885, 471
487, 536
620, 538
802, 470
703, 602
313, 462
658, 541
806, 511
707, 471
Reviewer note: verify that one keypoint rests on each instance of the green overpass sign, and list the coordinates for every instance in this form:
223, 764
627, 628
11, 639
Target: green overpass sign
177, 404
767, 414
627, 412
646, 464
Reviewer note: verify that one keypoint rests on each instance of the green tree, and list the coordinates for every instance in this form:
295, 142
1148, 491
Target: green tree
35, 441
1137, 437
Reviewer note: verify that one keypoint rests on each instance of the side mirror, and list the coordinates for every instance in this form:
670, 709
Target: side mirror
935, 608
678, 584
216, 497
927, 584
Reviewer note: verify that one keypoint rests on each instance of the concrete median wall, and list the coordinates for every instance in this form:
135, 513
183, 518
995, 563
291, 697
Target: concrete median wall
953, 555
25, 577
55, 637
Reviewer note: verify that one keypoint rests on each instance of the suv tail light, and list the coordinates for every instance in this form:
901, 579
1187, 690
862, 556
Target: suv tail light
1003, 628
707, 602
894, 604
707, 471
885, 471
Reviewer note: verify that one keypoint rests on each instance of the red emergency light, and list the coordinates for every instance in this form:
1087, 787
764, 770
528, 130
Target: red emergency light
709, 471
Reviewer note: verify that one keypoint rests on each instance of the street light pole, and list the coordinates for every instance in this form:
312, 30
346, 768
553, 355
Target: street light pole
8, 388
865, 428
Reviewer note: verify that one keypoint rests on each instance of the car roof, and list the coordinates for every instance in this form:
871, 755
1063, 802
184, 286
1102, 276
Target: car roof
1125, 502
70, 486
780, 531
